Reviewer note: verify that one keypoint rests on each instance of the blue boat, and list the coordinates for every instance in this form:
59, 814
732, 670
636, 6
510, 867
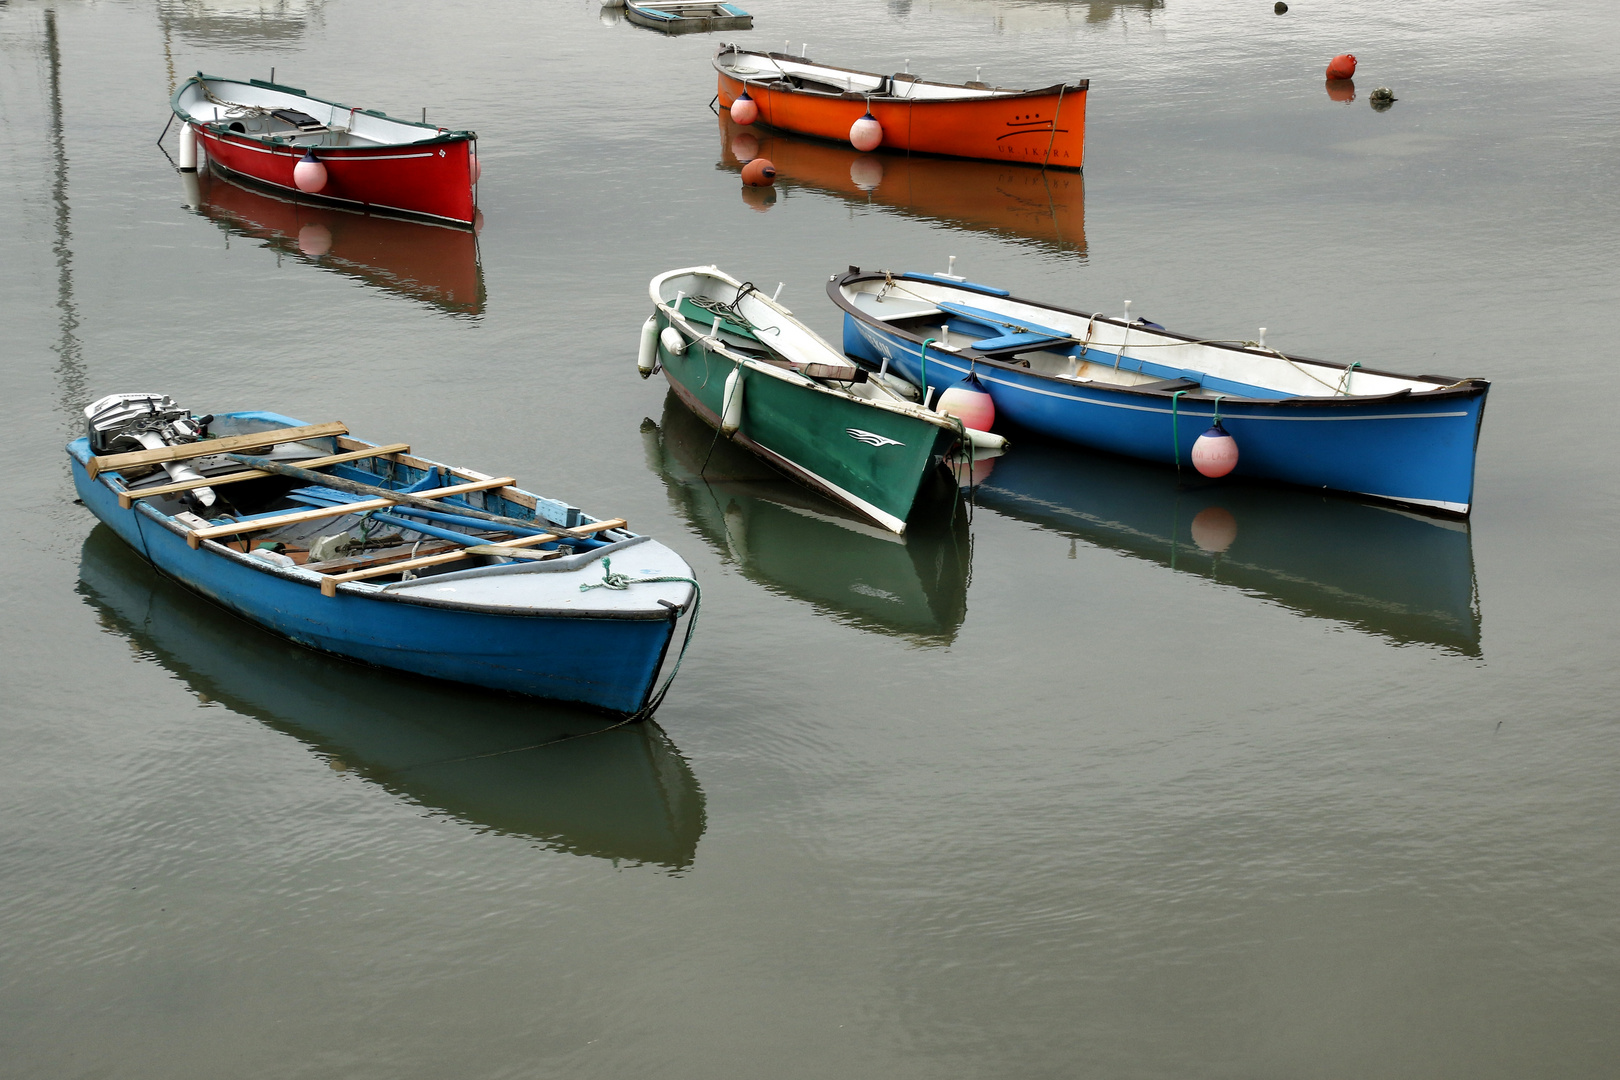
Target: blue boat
1132, 387
367, 552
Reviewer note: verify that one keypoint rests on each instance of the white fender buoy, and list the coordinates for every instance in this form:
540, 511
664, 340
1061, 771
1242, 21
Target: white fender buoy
731, 411
309, 175
986, 440
866, 133
647, 358
188, 148
1215, 453
969, 402
744, 110
672, 340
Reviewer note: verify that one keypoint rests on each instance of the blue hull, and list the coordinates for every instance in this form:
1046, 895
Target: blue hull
1414, 452
606, 662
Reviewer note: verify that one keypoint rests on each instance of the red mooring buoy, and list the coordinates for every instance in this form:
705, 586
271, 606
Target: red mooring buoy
1342, 67
759, 173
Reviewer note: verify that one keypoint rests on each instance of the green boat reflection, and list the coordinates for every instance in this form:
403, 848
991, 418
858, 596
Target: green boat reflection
788, 540
625, 794
1383, 571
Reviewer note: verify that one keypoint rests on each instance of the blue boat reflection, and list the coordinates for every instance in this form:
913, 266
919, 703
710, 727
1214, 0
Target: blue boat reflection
788, 540
1404, 577
624, 794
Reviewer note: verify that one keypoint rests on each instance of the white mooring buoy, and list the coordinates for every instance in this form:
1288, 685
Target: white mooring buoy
188, 148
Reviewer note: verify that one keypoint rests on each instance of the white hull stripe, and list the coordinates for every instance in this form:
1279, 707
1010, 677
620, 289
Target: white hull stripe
1079, 399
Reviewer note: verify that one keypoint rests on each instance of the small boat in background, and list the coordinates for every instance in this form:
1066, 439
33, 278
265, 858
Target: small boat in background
1044, 127
742, 363
369, 553
991, 197
1131, 387
687, 16
320, 150
416, 260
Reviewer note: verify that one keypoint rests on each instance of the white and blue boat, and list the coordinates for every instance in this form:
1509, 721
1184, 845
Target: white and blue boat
1132, 387
367, 552
687, 16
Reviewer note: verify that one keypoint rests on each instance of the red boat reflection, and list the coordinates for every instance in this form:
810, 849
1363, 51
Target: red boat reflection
432, 264
985, 196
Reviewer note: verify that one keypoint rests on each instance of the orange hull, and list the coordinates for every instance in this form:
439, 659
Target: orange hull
1047, 207
1038, 127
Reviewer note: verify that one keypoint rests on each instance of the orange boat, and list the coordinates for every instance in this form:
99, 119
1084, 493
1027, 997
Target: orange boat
1010, 201
1044, 127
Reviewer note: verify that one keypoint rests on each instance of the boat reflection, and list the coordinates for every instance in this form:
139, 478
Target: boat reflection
262, 23
1012, 201
1023, 16
1383, 571
431, 264
792, 542
625, 794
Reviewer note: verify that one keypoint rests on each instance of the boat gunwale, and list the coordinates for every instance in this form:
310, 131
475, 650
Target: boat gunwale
987, 93
1445, 387
442, 135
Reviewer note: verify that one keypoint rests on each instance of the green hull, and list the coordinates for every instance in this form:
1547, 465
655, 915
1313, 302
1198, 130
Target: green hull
820, 437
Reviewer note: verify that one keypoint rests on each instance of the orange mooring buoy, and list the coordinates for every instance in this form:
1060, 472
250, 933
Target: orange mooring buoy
1342, 67
759, 173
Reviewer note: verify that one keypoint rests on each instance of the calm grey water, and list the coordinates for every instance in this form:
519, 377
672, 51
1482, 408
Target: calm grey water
1120, 778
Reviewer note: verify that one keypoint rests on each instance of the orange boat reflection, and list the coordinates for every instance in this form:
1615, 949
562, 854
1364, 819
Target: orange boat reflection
985, 196
427, 263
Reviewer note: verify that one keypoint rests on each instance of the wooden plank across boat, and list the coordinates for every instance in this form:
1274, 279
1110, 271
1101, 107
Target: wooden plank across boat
687, 16
741, 362
263, 132
368, 552
1134, 388
1044, 127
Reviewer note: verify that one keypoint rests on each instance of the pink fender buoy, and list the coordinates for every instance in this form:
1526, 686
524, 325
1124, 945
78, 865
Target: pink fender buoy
309, 175
477, 168
759, 173
969, 402
1215, 453
1342, 67
866, 133
744, 110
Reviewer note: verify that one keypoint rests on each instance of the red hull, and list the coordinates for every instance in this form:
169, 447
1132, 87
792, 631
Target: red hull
430, 179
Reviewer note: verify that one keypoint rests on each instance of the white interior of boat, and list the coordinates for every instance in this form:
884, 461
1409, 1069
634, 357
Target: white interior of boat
823, 79
251, 109
1108, 351
773, 333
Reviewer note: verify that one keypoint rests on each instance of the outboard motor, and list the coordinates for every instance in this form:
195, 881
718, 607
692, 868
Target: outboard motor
120, 422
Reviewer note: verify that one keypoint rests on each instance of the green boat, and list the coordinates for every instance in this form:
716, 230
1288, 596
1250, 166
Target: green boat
740, 361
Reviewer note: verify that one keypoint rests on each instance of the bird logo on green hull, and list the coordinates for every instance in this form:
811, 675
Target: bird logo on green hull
872, 438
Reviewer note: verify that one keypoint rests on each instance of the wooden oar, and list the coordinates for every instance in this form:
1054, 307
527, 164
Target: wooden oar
126, 499
107, 462
329, 583
196, 536
422, 499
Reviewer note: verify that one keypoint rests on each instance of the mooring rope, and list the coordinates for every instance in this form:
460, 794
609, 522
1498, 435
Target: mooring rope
622, 582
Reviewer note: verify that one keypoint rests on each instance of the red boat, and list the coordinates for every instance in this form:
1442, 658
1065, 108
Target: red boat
320, 150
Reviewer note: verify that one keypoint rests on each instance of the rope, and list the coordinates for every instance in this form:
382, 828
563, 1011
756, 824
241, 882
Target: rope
1344, 383
1175, 426
621, 582
922, 354
1053, 139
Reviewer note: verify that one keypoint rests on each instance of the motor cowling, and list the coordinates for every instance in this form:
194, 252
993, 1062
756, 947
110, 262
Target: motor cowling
120, 422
